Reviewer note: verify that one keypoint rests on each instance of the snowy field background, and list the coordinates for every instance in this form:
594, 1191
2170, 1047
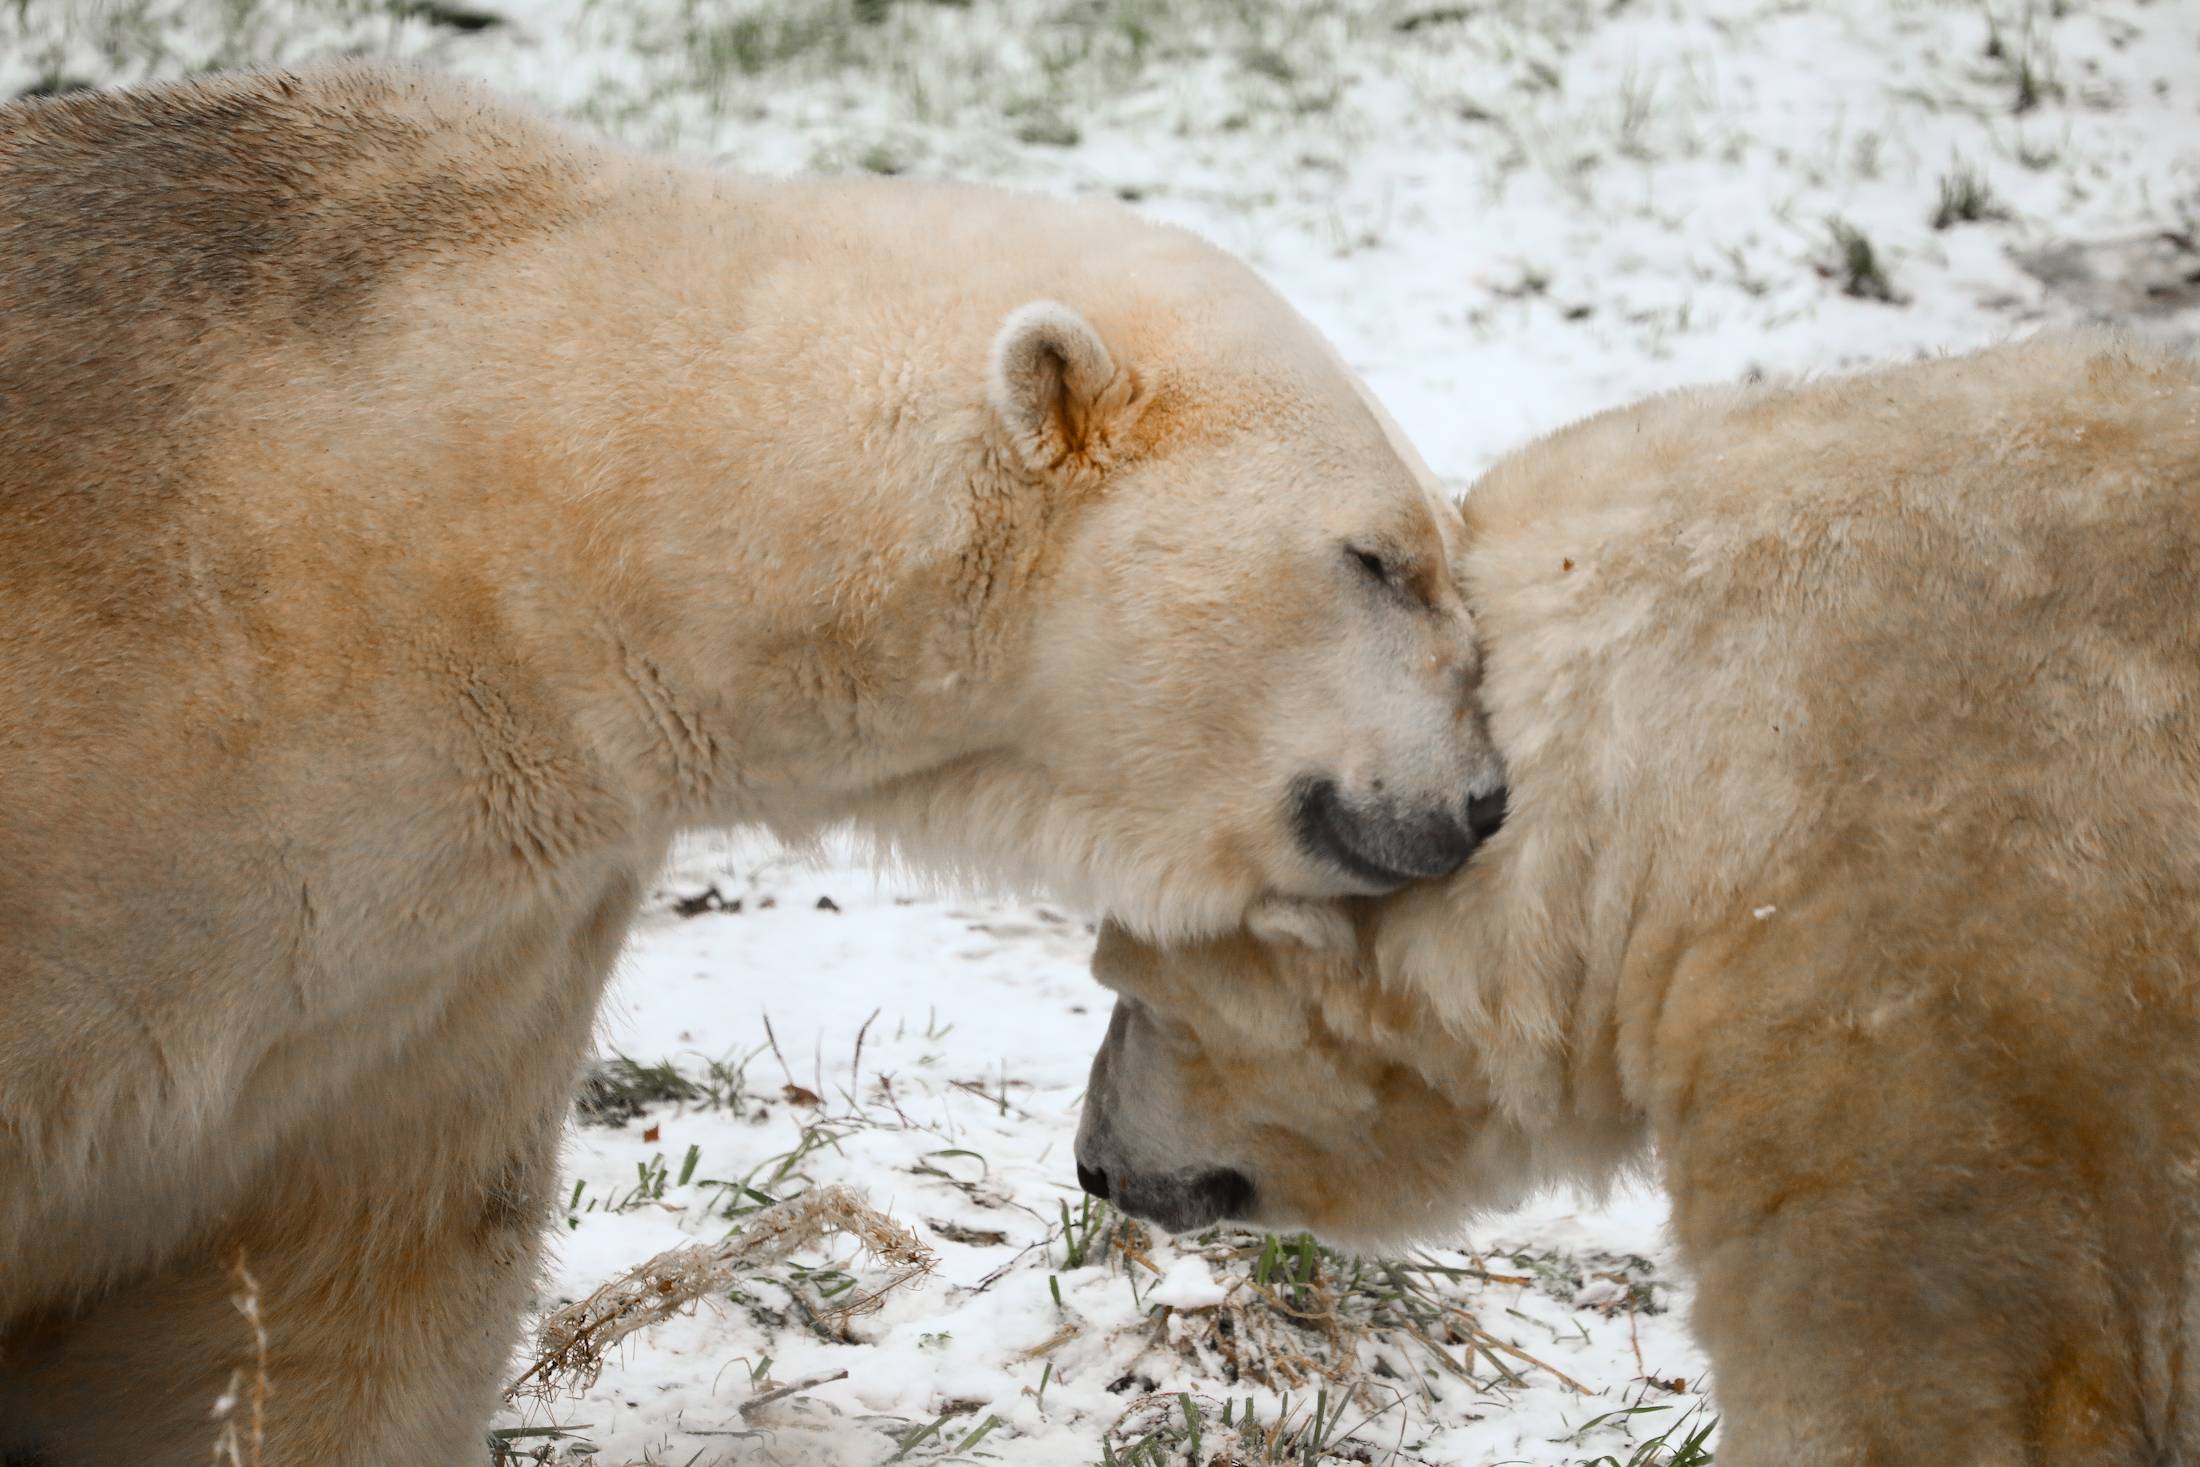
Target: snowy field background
1507, 213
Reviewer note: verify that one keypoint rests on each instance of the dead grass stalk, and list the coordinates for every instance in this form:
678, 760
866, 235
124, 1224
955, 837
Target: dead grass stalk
573, 1342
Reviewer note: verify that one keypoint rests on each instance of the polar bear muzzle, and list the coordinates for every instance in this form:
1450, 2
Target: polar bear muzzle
1384, 844
1177, 1202
1132, 1151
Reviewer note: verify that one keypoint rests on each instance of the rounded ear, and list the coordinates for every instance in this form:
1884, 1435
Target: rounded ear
1056, 387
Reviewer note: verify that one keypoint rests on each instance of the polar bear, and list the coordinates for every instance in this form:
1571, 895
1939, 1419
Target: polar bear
1853, 734
411, 518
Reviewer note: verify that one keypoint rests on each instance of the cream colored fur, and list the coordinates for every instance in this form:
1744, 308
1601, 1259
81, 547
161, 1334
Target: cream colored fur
1853, 732
411, 518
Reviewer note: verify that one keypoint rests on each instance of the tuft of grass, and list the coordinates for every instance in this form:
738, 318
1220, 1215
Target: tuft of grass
556, 1444
463, 18
1856, 264
2024, 65
1269, 62
977, 1434
1965, 198
1663, 1450
1637, 110
54, 84
883, 159
1048, 130
573, 1342
751, 44
2031, 84
1350, 1340
1164, 1430
1080, 1230
917, 1437
620, 1089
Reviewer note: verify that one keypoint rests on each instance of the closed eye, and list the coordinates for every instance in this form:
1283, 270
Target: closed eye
1372, 563
1395, 577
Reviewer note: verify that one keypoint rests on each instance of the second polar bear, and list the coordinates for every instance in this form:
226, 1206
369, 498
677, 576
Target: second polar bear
1853, 731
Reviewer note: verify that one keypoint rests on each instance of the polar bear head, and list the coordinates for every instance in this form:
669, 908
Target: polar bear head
1289, 1088
1283, 1088
1240, 675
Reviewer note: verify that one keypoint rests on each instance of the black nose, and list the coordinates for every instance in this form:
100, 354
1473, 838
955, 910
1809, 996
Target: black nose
1094, 1181
1486, 813
1378, 844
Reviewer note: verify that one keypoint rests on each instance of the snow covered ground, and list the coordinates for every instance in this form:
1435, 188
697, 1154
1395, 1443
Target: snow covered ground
1507, 213
974, 1022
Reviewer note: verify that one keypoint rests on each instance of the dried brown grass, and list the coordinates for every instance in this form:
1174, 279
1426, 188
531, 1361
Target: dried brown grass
1334, 1323
573, 1342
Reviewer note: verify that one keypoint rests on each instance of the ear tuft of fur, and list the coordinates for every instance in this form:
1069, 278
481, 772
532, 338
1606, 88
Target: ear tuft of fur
1056, 387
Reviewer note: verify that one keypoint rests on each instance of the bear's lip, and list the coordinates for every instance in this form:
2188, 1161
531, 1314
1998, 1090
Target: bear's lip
1326, 828
1186, 1201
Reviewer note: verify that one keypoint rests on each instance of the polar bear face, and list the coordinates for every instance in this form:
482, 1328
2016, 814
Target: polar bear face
1286, 1088
1253, 678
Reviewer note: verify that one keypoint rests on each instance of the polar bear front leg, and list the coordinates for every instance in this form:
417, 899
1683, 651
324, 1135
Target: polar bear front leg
398, 1352
1890, 1270
391, 1309
392, 1242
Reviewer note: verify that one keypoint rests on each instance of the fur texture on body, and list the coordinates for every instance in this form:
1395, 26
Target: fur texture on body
411, 518
1853, 731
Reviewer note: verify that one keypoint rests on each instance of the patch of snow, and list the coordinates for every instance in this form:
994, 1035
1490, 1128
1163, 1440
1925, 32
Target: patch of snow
1189, 1284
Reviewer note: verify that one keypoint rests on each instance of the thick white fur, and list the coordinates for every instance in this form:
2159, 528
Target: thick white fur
410, 518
